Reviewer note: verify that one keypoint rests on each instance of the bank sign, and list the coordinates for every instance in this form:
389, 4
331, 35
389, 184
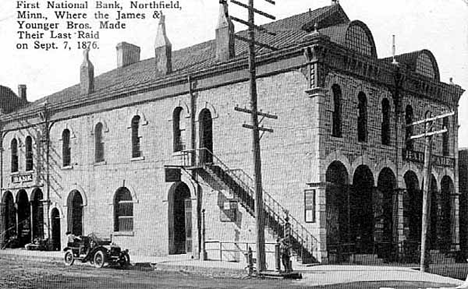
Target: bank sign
416, 156
21, 178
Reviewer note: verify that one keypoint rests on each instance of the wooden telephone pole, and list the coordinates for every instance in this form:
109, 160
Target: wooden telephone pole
254, 112
428, 134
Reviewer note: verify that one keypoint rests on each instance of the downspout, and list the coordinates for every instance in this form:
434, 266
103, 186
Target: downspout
193, 159
47, 128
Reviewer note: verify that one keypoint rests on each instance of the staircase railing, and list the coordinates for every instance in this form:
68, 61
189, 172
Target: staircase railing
273, 207
275, 212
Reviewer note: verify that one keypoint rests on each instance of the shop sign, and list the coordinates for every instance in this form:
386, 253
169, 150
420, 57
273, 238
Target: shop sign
21, 178
418, 157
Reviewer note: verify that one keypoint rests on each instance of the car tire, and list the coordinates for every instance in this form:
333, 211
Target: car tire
99, 259
68, 259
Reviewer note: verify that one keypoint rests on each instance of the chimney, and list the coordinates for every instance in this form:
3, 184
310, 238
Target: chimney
22, 92
127, 54
163, 49
224, 34
86, 74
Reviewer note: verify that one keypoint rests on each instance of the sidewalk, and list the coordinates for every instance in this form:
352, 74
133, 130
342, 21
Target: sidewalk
312, 275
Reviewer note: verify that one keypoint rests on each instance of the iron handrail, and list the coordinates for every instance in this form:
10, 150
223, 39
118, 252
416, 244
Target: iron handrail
305, 238
293, 221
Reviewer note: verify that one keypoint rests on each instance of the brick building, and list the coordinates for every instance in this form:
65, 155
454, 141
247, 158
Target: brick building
154, 154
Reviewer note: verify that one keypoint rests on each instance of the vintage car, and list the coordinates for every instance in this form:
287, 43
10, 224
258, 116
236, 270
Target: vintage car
96, 250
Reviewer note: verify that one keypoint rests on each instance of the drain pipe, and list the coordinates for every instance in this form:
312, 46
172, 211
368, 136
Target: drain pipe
193, 159
47, 127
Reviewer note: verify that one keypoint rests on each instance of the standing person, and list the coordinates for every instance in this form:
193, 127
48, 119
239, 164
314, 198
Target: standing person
285, 247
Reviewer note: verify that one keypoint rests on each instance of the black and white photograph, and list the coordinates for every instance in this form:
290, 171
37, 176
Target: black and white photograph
233, 144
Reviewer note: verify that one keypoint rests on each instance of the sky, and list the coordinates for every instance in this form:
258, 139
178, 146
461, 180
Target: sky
438, 25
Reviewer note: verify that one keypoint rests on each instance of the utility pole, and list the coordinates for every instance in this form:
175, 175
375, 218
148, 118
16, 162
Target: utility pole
254, 112
428, 134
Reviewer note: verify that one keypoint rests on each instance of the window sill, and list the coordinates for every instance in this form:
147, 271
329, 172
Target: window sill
136, 159
100, 163
126, 233
14, 173
67, 168
29, 171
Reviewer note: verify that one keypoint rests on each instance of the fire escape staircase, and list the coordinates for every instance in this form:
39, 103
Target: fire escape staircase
241, 185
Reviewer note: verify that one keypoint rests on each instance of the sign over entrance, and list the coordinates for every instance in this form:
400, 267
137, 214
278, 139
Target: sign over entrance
416, 156
21, 178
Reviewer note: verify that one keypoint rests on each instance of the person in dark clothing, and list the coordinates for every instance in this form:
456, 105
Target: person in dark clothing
285, 247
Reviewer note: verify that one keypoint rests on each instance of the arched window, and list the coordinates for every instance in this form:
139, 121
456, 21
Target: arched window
206, 136
409, 129
29, 154
336, 111
14, 155
178, 129
123, 210
98, 143
446, 137
385, 122
136, 152
362, 117
66, 150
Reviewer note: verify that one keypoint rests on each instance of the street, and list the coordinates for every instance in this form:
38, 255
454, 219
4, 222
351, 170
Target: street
26, 273
35, 274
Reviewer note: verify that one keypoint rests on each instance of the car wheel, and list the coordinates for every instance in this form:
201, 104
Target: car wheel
68, 258
99, 259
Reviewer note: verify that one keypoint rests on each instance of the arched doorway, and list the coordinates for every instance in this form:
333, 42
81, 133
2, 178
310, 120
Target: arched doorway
361, 210
24, 221
386, 184
446, 190
56, 234
37, 210
337, 194
180, 219
412, 207
75, 213
206, 136
9, 217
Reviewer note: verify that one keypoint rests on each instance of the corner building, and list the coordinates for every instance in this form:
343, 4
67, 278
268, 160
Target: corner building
154, 154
